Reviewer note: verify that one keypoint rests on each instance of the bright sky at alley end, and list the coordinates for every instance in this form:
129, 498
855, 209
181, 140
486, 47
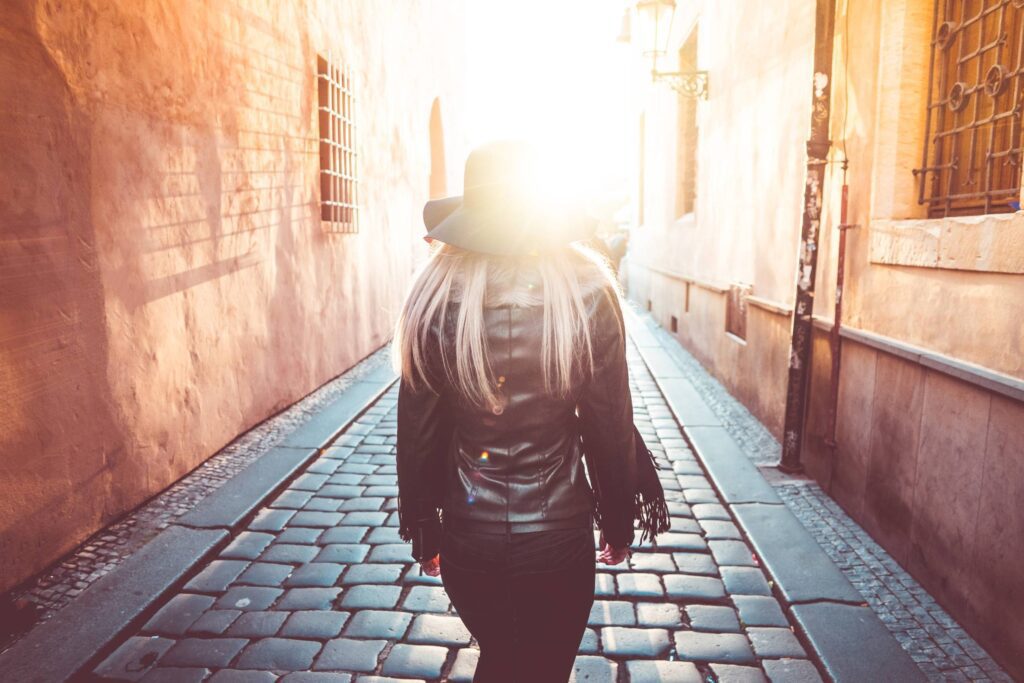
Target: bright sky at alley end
551, 71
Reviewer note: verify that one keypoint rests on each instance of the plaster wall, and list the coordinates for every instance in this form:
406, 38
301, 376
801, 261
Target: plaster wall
931, 465
167, 281
752, 131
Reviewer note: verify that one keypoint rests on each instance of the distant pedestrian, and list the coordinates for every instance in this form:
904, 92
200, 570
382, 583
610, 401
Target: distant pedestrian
617, 244
511, 347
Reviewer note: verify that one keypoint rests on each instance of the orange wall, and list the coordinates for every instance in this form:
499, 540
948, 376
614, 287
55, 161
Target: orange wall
165, 281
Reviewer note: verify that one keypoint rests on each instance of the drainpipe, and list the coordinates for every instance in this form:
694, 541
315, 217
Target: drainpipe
817, 156
835, 340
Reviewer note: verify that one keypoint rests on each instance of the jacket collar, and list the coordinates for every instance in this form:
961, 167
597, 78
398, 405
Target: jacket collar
519, 284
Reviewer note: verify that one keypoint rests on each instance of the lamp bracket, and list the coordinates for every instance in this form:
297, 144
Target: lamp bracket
686, 83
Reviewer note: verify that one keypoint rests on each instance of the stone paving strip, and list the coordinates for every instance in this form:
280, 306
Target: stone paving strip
942, 649
318, 586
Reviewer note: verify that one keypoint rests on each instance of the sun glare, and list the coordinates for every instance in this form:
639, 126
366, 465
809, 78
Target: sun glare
551, 72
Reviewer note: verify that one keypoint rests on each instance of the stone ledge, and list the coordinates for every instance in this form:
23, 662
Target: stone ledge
58, 648
684, 400
993, 243
737, 479
242, 494
330, 421
796, 563
853, 645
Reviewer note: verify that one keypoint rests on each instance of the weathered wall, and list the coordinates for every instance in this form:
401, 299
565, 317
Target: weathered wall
167, 283
931, 465
750, 170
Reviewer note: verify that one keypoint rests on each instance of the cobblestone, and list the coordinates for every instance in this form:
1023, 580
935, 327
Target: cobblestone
279, 653
439, 630
712, 618
203, 652
730, 673
371, 623
314, 624
624, 641
337, 572
745, 581
775, 642
421, 661
713, 647
346, 654
663, 672
658, 614
758, 610
257, 624
692, 588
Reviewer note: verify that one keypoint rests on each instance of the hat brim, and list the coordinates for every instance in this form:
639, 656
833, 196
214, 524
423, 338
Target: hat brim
505, 231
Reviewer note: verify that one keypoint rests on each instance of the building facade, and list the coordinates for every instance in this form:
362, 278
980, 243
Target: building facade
928, 445
210, 209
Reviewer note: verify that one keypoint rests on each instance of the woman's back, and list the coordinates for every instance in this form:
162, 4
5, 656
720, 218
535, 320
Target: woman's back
514, 462
520, 461
511, 347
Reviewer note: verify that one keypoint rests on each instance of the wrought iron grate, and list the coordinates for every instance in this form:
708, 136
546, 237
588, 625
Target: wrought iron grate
972, 150
339, 167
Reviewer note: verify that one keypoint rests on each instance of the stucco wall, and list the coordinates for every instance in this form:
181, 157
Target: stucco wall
750, 174
931, 465
167, 283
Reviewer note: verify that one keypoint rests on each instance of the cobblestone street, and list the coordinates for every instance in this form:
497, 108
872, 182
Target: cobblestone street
320, 582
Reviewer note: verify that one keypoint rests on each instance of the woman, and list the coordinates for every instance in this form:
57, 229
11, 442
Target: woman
511, 349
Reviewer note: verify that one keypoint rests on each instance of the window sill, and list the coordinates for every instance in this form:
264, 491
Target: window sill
993, 243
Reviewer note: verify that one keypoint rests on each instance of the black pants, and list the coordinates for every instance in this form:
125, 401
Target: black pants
525, 597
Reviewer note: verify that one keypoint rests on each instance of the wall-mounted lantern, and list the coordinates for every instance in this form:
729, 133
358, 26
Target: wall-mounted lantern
655, 26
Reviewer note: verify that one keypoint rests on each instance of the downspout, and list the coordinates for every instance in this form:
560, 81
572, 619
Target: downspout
835, 340
817, 157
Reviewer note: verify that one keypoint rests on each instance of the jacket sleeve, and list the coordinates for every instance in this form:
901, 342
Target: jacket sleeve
424, 432
605, 409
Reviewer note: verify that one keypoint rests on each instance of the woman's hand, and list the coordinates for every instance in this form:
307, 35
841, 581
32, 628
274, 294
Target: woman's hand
610, 555
431, 566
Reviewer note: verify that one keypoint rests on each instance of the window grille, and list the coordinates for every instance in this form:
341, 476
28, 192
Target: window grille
339, 162
972, 150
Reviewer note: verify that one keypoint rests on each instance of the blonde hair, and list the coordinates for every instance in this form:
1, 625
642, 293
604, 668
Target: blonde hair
453, 275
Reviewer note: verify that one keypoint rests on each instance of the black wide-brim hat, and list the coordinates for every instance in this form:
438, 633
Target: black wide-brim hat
502, 210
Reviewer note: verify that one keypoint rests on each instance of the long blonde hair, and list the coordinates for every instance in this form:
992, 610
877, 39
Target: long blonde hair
451, 275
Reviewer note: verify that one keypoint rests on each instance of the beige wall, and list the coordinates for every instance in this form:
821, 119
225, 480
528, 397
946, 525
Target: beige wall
930, 464
750, 170
167, 283
954, 286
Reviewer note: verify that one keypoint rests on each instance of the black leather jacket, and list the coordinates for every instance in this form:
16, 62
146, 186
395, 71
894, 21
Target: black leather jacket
521, 468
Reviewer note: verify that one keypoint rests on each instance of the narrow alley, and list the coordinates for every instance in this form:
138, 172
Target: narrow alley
227, 227
313, 583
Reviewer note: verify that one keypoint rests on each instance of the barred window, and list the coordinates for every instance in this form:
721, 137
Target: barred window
972, 151
339, 167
